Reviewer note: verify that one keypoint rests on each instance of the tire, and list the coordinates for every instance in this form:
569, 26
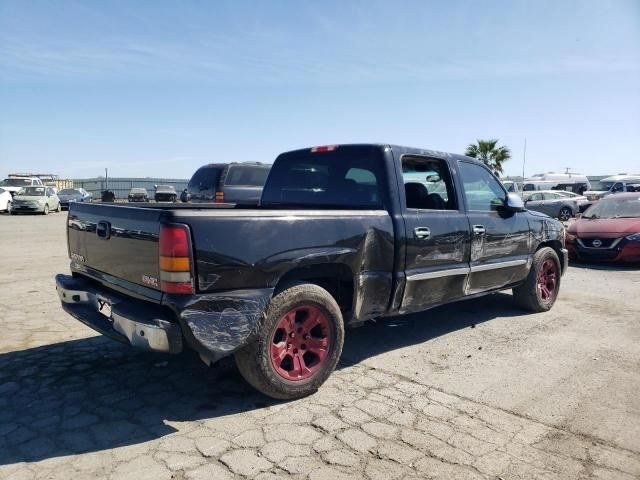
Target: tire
58, 208
539, 291
45, 210
300, 313
565, 214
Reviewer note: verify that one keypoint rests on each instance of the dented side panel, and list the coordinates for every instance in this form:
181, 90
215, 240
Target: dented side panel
256, 251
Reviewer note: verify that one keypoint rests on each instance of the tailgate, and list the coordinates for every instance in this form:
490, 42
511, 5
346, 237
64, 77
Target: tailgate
118, 240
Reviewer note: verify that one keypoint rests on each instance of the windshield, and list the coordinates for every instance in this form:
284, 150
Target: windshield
615, 208
15, 182
69, 191
165, 189
347, 177
598, 186
139, 191
32, 191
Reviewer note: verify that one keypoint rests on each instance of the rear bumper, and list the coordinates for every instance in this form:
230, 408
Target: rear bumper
126, 320
213, 324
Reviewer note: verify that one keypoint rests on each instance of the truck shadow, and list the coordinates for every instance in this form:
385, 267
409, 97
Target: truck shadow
396, 332
94, 394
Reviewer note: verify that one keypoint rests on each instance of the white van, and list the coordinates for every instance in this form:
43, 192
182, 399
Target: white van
611, 185
570, 182
16, 182
535, 185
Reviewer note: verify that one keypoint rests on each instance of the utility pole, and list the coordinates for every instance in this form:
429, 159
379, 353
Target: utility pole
524, 157
106, 176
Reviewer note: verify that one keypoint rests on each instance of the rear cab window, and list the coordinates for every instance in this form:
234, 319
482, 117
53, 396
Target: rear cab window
347, 177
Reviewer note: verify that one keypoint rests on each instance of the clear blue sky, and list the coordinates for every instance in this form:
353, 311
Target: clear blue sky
159, 88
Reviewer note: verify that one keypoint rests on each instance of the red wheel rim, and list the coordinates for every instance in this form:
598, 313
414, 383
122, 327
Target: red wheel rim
300, 343
547, 280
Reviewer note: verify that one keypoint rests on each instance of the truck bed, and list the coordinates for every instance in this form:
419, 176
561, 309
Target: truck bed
235, 248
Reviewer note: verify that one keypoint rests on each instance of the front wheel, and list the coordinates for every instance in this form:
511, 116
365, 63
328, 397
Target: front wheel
298, 346
45, 210
540, 290
565, 214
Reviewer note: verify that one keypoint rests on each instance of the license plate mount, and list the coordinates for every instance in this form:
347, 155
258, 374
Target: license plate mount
104, 306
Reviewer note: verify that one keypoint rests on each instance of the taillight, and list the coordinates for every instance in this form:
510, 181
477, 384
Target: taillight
176, 272
219, 197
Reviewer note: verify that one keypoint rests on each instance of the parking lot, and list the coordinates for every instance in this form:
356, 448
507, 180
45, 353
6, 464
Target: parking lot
474, 390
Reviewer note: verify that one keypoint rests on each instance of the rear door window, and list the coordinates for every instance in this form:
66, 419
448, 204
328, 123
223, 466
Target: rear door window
242, 176
427, 183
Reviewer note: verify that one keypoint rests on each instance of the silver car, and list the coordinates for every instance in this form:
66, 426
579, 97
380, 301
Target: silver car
35, 199
555, 204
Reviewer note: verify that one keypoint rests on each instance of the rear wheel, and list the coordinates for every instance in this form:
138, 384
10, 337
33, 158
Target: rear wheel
565, 214
540, 290
299, 344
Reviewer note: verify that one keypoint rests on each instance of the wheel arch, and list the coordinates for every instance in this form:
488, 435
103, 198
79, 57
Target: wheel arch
335, 278
556, 245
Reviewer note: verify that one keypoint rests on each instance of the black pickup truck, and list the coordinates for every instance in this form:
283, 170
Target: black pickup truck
343, 234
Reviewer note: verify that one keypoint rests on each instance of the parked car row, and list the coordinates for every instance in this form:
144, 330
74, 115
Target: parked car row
608, 231
40, 198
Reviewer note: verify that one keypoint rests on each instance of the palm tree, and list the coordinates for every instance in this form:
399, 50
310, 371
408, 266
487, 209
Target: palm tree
487, 152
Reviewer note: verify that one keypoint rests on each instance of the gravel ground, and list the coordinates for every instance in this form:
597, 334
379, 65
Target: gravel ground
474, 390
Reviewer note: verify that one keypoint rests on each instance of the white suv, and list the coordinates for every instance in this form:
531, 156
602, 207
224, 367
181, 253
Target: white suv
13, 184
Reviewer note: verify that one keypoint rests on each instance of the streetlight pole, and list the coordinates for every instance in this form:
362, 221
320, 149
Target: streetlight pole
524, 157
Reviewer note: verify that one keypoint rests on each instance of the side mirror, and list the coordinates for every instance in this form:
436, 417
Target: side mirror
514, 203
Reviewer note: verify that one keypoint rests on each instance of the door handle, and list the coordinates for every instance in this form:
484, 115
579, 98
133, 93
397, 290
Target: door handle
103, 230
422, 233
479, 230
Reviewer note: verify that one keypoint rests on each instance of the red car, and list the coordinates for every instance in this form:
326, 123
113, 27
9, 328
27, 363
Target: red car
607, 231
